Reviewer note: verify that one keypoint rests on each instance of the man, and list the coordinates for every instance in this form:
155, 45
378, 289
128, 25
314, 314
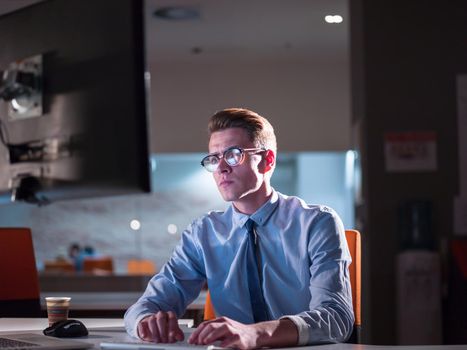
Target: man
276, 268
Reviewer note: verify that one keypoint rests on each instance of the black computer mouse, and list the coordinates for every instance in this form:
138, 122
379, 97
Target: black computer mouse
67, 329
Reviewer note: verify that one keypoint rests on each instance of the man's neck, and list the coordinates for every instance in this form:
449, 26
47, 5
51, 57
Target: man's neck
253, 201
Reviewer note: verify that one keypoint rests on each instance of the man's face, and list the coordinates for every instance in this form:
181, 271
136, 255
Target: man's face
242, 181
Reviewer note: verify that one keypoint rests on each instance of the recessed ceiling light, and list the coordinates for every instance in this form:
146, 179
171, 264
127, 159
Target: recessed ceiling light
196, 50
333, 19
135, 224
172, 229
177, 13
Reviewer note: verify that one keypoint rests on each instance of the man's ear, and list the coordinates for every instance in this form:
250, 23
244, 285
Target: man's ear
269, 160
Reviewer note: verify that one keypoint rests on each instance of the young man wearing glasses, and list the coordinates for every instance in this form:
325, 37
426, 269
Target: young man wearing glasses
276, 268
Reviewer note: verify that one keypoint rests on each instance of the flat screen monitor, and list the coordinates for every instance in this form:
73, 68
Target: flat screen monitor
73, 107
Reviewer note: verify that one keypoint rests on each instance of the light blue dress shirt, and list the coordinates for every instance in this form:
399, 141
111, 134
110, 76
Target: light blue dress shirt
304, 257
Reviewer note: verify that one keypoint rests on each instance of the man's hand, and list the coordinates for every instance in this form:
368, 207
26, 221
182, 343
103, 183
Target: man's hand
162, 327
230, 333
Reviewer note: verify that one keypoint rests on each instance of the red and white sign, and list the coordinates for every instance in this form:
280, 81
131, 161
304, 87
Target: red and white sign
410, 151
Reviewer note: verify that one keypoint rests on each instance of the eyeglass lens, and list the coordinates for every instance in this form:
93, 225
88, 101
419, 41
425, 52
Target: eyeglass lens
232, 156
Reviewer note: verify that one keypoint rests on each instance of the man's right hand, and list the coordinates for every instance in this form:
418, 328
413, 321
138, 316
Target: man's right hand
161, 327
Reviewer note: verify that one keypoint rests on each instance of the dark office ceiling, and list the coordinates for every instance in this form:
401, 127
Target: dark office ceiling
241, 29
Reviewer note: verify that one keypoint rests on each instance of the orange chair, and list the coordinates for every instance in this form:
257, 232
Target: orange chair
103, 265
141, 267
354, 243
19, 291
209, 313
355, 269
58, 266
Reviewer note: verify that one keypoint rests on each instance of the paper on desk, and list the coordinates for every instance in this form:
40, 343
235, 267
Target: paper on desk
125, 342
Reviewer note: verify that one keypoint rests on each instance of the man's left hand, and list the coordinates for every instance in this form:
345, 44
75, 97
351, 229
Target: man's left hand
233, 334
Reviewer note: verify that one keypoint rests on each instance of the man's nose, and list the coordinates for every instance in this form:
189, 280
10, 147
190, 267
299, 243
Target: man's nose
223, 166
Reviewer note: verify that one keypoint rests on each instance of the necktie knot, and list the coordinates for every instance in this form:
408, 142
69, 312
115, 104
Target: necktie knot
250, 225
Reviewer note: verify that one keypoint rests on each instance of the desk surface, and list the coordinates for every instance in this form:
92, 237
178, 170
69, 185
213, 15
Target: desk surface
38, 324
114, 304
112, 329
110, 300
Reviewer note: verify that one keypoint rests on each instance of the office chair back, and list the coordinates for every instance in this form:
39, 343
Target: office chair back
355, 270
98, 265
141, 267
354, 243
58, 266
19, 292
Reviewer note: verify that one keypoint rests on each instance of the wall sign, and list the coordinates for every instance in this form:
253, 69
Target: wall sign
410, 151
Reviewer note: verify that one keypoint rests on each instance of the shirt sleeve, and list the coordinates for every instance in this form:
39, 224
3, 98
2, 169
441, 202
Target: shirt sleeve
330, 316
174, 287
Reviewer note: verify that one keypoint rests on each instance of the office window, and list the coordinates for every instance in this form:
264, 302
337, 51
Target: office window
149, 225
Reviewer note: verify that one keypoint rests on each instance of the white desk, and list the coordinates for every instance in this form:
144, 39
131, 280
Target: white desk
110, 300
114, 304
38, 324
105, 329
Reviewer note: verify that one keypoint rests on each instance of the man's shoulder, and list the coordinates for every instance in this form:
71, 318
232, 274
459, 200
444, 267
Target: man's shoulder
298, 204
295, 201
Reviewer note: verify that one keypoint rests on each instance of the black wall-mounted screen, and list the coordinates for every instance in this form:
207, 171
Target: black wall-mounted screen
87, 136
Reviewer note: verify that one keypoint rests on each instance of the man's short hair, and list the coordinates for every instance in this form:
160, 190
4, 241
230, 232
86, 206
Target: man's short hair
259, 129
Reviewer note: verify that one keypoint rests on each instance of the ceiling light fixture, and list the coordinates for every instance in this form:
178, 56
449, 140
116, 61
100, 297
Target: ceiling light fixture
177, 13
334, 19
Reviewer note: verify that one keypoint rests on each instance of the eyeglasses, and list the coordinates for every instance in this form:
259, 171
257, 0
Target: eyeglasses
233, 156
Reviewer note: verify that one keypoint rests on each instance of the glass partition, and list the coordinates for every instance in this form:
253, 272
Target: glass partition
148, 226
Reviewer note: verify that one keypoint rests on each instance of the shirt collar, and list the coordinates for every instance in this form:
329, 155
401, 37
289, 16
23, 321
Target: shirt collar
261, 216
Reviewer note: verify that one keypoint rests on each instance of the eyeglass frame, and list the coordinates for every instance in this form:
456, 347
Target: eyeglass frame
242, 153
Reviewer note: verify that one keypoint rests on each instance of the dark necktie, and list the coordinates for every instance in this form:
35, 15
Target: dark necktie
258, 305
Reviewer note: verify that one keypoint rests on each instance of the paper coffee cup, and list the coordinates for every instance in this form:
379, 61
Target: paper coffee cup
57, 308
